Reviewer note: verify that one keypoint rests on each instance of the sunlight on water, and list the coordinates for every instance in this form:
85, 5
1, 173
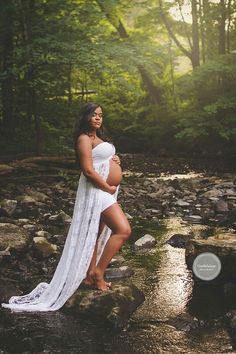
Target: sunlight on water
172, 284
180, 176
163, 176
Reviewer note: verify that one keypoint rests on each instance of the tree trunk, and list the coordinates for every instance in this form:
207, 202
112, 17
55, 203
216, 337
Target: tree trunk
30, 17
154, 91
37, 123
69, 84
194, 53
195, 35
172, 76
202, 31
8, 123
228, 27
222, 27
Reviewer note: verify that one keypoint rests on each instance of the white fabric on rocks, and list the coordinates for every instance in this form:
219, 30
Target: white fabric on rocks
79, 245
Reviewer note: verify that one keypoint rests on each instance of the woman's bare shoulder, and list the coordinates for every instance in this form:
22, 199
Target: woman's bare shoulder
84, 139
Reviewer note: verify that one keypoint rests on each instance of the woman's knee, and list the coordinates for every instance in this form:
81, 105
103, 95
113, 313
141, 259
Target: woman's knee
125, 231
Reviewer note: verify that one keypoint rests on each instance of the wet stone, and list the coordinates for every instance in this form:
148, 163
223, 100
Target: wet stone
178, 240
38, 196
29, 227
9, 206
182, 203
221, 206
118, 273
193, 218
43, 247
13, 236
223, 246
43, 233
61, 217
26, 199
23, 221
112, 307
117, 260
145, 242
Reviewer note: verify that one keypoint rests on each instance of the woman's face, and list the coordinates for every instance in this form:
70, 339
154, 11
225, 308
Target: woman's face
96, 120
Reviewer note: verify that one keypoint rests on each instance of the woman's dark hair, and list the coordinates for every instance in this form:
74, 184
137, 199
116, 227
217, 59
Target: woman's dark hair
82, 125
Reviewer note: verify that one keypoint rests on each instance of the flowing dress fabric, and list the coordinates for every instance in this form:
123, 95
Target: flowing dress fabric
79, 245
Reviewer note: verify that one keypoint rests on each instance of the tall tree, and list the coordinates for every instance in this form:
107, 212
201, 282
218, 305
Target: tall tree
8, 119
113, 17
193, 52
222, 19
195, 35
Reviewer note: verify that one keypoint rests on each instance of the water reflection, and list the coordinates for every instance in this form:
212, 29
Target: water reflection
174, 285
172, 281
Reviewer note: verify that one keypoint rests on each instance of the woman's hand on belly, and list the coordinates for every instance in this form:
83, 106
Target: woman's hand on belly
116, 159
112, 189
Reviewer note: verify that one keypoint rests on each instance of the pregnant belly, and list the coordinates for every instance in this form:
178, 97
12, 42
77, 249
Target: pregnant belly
115, 174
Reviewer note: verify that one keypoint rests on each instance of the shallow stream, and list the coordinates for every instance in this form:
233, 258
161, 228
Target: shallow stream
172, 319
159, 325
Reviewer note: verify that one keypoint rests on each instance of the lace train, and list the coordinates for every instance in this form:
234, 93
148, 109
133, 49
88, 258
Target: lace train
77, 252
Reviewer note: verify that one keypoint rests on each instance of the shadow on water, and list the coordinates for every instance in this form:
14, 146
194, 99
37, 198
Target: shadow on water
160, 325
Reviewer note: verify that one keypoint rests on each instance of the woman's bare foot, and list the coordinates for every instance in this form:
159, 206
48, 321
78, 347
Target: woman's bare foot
99, 282
91, 280
88, 280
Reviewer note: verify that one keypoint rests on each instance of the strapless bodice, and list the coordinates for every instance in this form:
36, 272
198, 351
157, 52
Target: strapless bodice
102, 152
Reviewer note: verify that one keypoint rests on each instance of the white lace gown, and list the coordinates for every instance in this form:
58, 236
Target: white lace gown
79, 245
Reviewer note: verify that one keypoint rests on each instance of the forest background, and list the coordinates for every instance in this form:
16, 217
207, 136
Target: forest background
166, 79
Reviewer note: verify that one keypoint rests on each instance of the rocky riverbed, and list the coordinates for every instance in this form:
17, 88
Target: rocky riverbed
182, 215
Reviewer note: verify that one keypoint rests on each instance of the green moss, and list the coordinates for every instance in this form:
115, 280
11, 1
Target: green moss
149, 261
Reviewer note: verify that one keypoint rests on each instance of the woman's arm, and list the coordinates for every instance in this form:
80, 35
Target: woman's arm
84, 148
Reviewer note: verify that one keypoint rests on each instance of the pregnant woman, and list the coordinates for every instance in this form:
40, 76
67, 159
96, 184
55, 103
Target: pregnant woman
89, 245
91, 149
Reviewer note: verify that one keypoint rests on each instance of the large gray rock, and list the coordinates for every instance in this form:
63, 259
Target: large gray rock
215, 193
117, 260
26, 199
178, 240
9, 206
221, 206
43, 233
62, 217
145, 242
38, 196
182, 203
223, 246
193, 218
112, 307
14, 236
43, 247
117, 273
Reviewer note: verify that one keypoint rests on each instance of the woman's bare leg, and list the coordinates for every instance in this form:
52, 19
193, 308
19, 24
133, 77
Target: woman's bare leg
88, 279
116, 220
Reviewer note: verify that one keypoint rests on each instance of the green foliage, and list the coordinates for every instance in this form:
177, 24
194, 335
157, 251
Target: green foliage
208, 117
70, 181
58, 50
